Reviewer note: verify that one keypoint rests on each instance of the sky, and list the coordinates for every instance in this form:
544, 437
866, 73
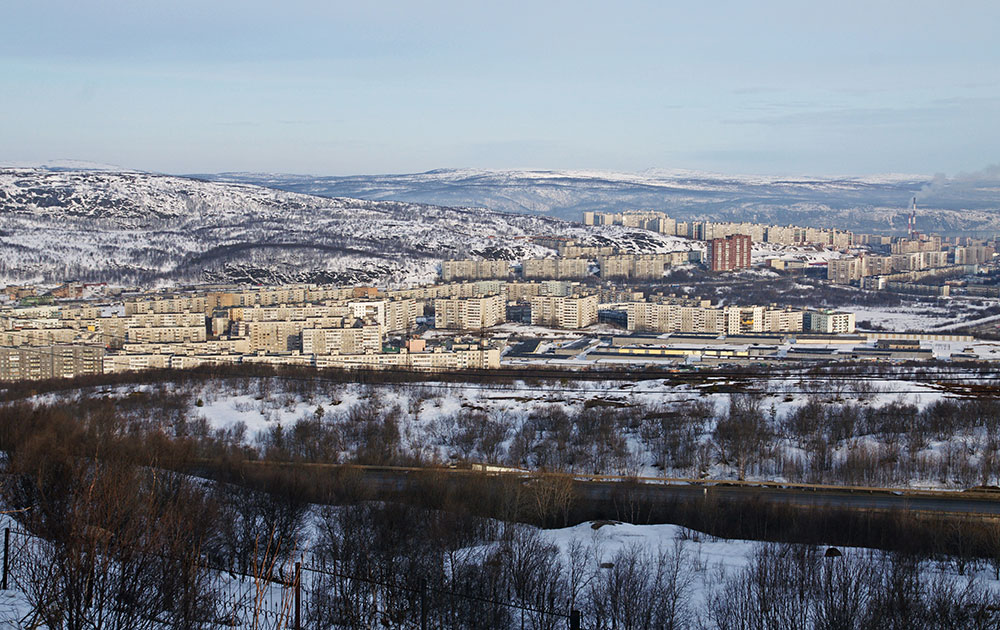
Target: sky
331, 88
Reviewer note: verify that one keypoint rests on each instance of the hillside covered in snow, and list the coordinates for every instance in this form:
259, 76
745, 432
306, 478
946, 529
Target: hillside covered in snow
138, 228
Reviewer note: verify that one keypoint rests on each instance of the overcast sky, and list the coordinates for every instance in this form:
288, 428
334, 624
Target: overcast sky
334, 88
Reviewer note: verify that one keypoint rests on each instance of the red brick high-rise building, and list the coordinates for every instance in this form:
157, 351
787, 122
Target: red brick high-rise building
730, 253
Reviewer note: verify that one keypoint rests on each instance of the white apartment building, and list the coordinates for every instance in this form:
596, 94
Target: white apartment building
474, 269
474, 313
166, 334
555, 268
972, 254
430, 360
830, 322
730, 320
573, 312
356, 340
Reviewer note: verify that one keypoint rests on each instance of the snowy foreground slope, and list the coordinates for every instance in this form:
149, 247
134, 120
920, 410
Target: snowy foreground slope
642, 574
864, 204
129, 227
890, 431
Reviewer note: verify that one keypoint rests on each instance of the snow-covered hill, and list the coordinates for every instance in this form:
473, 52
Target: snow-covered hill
130, 227
867, 204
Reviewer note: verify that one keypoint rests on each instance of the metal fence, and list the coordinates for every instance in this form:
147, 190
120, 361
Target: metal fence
318, 597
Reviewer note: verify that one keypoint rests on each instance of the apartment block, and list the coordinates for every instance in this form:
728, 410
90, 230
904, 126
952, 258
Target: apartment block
555, 268
848, 270
53, 361
877, 265
618, 266
173, 304
572, 250
433, 360
917, 261
166, 334
914, 245
474, 269
845, 270
573, 312
830, 322
355, 340
400, 315
272, 336
283, 312
786, 320
755, 231
972, 254
473, 313
640, 266
679, 317
649, 266
114, 363
730, 253
41, 336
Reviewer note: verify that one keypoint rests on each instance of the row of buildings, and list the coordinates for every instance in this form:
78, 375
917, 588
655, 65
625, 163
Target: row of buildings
198, 328
910, 259
672, 317
707, 230
335, 326
607, 261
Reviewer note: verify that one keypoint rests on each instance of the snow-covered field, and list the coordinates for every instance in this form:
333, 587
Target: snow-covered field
515, 423
921, 316
808, 255
709, 561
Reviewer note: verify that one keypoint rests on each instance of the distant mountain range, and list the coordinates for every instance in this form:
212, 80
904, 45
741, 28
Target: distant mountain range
139, 228
864, 204
63, 222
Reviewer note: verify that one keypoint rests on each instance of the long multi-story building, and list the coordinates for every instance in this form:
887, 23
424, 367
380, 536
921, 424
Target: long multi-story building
355, 340
852, 269
559, 311
913, 245
831, 322
436, 359
166, 334
474, 269
681, 317
474, 313
640, 266
845, 270
170, 304
972, 254
918, 261
617, 266
555, 268
54, 361
573, 250
708, 230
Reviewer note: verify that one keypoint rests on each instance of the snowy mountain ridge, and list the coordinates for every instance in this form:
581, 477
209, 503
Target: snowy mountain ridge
874, 203
139, 228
